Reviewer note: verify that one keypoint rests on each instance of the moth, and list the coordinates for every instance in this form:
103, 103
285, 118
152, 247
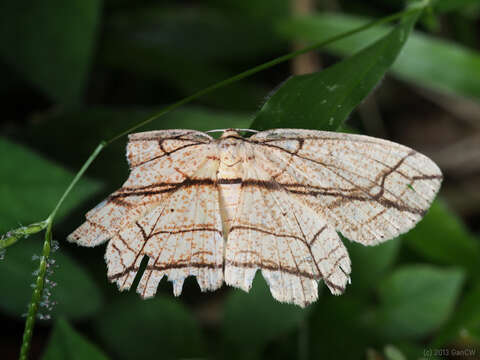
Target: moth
220, 209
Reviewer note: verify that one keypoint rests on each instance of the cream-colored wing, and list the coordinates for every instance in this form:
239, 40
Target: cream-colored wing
369, 189
292, 245
160, 162
181, 237
168, 210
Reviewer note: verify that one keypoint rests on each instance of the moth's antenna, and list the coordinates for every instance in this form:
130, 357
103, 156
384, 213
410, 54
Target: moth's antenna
222, 130
248, 130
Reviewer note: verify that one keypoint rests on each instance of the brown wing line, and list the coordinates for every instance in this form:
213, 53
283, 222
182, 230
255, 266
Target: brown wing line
286, 269
290, 270
175, 265
325, 277
276, 186
194, 138
265, 231
182, 231
367, 196
165, 187
301, 141
168, 153
294, 138
294, 188
166, 266
384, 202
146, 237
180, 136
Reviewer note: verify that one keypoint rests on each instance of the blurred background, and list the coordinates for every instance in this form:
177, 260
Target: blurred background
76, 72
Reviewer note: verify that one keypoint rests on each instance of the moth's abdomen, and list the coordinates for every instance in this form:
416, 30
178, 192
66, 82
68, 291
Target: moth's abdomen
229, 201
229, 180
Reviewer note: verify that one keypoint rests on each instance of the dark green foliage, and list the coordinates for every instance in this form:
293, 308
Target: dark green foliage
416, 292
256, 318
137, 329
29, 192
76, 293
50, 43
429, 62
67, 344
415, 299
323, 100
443, 238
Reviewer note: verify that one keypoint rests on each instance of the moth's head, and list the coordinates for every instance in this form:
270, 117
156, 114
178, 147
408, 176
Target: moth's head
229, 145
230, 134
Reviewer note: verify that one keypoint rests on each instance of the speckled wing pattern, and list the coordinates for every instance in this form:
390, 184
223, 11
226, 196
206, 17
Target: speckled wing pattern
277, 233
220, 209
168, 210
369, 189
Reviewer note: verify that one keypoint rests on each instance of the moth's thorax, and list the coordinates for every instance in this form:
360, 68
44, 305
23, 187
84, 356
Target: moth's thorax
230, 133
229, 175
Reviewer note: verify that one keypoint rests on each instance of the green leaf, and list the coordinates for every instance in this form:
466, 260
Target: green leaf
370, 263
323, 100
32, 185
77, 296
50, 43
465, 321
425, 60
442, 237
157, 328
67, 344
415, 300
336, 328
253, 319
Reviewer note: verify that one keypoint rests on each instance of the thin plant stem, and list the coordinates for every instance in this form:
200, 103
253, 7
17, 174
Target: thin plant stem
77, 177
37, 294
40, 281
39, 284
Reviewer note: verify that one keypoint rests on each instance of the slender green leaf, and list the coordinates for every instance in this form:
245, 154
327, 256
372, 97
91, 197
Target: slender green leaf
253, 319
323, 100
31, 186
415, 300
427, 61
442, 237
157, 328
67, 344
77, 296
50, 43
